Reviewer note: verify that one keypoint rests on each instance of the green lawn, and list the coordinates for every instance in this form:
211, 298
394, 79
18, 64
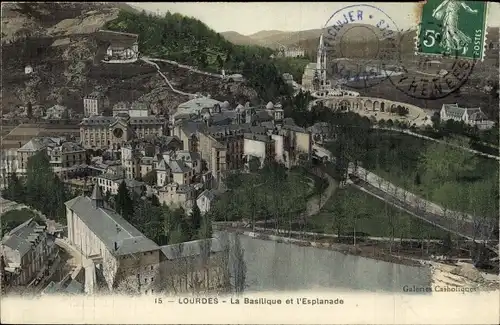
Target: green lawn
453, 178
350, 207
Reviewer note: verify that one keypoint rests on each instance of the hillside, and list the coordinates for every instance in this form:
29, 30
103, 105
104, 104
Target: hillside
189, 41
58, 41
309, 39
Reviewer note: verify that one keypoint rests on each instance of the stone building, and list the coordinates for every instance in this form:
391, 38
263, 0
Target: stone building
26, 252
93, 104
108, 132
121, 46
259, 146
128, 261
31, 148
470, 116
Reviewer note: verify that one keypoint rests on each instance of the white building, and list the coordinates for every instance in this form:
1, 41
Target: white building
291, 52
258, 146
55, 112
205, 200
138, 109
28, 69
470, 116
194, 106
110, 182
8, 165
93, 104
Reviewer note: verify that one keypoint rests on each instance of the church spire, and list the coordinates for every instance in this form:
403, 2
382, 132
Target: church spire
97, 197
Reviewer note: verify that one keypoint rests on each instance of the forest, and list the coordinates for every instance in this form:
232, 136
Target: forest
189, 41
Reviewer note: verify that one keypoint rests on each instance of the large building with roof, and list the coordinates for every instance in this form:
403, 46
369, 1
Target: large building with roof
26, 252
470, 116
100, 132
129, 261
121, 46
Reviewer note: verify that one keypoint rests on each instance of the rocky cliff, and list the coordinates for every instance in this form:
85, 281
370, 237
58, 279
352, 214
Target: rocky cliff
58, 41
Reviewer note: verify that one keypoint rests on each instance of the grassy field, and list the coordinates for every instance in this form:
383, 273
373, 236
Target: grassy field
351, 208
453, 178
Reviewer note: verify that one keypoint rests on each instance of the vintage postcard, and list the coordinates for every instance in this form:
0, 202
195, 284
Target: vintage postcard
250, 163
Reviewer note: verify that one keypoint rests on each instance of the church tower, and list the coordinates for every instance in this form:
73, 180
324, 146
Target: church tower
97, 198
321, 61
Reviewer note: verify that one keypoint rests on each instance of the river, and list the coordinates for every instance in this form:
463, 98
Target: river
273, 266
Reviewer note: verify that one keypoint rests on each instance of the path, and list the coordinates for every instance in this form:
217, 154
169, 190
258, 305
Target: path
166, 79
190, 68
462, 228
316, 203
438, 141
458, 223
86, 264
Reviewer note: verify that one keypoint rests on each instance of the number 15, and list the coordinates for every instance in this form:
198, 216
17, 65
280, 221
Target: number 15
430, 37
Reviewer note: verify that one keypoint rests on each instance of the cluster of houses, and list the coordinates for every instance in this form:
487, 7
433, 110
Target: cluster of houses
182, 160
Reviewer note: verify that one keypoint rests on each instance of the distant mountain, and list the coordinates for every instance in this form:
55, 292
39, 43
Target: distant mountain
263, 34
239, 39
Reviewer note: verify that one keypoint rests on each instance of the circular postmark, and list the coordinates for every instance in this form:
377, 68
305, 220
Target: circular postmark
429, 76
358, 43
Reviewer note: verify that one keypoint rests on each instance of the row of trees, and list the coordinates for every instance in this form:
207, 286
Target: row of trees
41, 189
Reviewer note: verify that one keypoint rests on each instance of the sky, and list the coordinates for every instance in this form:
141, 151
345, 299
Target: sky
248, 18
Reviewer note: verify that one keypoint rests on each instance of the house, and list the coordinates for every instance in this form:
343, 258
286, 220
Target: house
109, 182
181, 173
138, 109
121, 108
31, 148
206, 200
177, 195
470, 116
121, 46
56, 112
93, 104
258, 146
8, 165
27, 252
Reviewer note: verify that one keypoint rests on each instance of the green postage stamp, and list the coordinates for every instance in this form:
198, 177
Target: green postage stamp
453, 27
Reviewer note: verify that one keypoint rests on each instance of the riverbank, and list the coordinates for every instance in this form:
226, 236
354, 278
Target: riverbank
452, 273
362, 248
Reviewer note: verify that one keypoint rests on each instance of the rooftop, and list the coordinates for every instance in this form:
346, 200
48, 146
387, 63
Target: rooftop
258, 137
110, 227
19, 239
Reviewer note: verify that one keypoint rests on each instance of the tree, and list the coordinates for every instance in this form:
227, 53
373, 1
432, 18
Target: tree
206, 227
417, 180
29, 110
447, 245
220, 63
123, 202
15, 189
239, 265
155, 201
178, 234
195, 221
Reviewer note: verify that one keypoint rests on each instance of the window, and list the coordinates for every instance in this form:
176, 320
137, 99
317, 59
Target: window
151, 267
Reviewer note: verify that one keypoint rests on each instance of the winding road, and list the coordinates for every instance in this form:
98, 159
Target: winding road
149, 61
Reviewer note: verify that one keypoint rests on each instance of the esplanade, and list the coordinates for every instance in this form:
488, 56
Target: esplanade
378, 107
